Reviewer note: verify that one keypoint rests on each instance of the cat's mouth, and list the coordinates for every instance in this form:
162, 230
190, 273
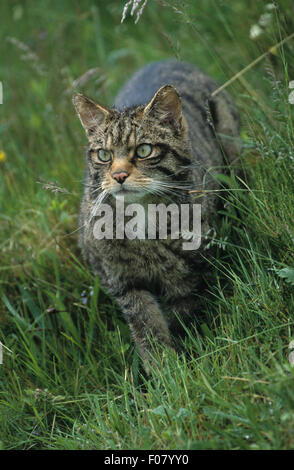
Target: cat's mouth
129, 194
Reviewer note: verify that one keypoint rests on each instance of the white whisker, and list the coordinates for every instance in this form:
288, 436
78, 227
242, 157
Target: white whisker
98, 202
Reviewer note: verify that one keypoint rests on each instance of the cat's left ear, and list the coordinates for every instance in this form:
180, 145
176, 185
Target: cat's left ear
167, 107
91, 115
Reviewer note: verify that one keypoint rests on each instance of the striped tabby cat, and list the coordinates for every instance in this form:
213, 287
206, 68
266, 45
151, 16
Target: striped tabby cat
156, 143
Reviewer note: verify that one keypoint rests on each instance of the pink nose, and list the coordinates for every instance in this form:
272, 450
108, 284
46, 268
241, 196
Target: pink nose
120, 176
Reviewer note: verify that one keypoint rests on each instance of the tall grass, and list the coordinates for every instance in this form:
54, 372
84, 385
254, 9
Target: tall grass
71, 377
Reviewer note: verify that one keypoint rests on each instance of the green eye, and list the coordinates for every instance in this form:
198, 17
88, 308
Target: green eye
104, 155
144, 150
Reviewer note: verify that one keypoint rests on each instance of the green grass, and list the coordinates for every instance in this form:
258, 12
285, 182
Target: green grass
71, 377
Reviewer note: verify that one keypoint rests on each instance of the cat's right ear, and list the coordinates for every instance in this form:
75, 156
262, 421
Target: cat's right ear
91, 114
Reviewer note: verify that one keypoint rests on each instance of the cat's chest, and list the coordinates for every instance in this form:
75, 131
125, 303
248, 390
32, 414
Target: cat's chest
143, 262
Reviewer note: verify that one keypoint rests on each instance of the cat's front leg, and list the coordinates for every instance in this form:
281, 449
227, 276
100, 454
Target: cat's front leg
146, 322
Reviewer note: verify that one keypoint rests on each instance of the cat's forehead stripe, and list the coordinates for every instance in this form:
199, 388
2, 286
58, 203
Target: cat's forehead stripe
122, 132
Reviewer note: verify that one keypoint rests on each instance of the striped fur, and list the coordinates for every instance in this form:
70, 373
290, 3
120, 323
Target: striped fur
167, 104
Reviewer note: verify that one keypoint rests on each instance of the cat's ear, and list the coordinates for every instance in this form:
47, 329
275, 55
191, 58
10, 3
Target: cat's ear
166, 106
91, 114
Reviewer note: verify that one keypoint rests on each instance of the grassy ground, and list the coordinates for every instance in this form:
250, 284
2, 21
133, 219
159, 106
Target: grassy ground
71, 378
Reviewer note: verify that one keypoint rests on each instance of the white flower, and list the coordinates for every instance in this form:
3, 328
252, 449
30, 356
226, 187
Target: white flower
255, 31
291, 97
291, 355
270, 6
265, 19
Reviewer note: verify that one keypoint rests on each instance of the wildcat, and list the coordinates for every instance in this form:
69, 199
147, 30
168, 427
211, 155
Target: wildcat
164, 136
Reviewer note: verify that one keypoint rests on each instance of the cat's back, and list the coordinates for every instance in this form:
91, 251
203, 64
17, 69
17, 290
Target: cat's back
191, 83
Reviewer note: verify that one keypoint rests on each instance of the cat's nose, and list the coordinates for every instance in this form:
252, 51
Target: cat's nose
120, 176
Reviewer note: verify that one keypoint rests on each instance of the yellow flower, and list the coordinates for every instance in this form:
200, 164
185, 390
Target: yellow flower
2, 156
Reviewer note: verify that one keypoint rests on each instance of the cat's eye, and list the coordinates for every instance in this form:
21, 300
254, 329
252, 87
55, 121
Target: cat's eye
144, 150
104, 155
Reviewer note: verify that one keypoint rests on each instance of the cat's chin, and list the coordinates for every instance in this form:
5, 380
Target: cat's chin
128, 195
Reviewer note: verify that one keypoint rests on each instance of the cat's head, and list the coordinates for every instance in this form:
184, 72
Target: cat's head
139, 151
